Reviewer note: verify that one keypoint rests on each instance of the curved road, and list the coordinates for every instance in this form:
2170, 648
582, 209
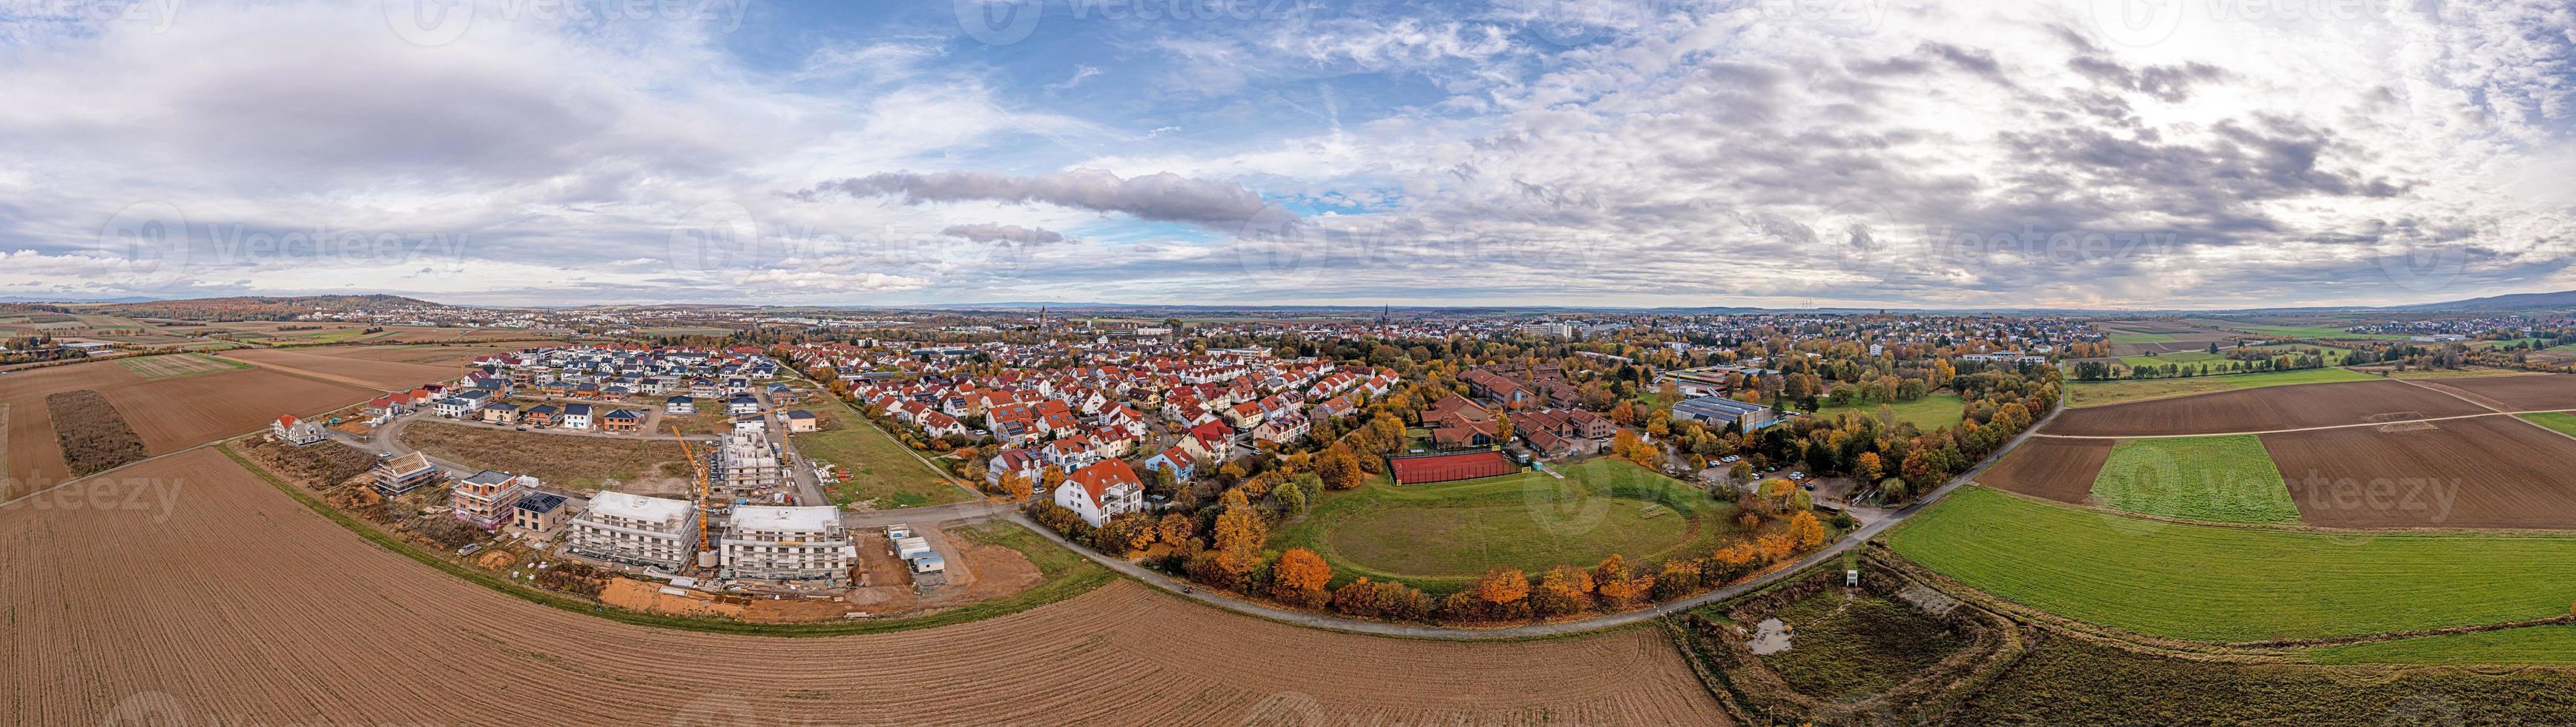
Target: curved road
1315, 620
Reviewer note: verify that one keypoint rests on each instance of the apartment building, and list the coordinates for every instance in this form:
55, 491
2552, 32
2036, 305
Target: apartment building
746, 463
788, 544
485, 499
653, 532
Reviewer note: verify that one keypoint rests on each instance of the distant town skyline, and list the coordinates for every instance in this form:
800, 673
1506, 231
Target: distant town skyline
1658, 154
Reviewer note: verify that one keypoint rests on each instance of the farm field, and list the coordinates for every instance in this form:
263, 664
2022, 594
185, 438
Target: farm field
2214, 479
2487, 472
881, 469
380, 375
172, 608
2052, 468
2312, 331
177, 365
563, 460
1439, 537
430, 354
2172, 359
2263, 409
2084, 394
168, 414
2515, 393
2234, 584
2556, 421
1928, 413
2072, 682
2552, 645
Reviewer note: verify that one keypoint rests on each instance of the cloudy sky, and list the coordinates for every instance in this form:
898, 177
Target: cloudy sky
2122, 153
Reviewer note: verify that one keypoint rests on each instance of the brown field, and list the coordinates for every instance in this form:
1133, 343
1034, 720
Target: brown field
451, 356
2514, 393
171, 604
384, 375
2263, 409
169, 414
563, 460
2057, 469
2488, 472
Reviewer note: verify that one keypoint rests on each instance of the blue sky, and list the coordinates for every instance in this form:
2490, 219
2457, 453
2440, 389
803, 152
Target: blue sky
2122, 153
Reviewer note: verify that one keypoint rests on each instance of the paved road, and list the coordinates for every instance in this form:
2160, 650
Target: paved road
1852, 540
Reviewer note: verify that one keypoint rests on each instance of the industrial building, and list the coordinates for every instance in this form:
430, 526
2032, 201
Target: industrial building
788, 544
652, 532
1718, 412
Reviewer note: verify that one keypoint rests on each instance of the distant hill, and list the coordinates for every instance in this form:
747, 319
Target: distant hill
2513, 302
255, 308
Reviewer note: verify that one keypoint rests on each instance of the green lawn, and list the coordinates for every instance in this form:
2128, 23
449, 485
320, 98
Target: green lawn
2215, 479
2561, 422
1440, 537
2113, 392
2230, 584
2554, 645
881, 468
1928, 413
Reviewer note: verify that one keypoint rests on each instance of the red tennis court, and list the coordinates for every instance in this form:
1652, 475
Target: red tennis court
1448, 467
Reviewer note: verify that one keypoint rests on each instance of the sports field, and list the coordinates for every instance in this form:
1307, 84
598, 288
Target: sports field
2214, 479
1928, 413
2113, 392
2233, 584
1439, 537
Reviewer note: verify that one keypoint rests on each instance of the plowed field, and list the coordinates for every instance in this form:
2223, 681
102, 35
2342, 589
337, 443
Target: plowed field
2264, 409
170, 414
2488, 472
239, 606
383, 375
2056, 469
2515, 393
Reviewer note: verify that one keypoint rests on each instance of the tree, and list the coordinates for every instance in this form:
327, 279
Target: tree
1866, 467
1503, 586
1804, 528
1615, 584
1011, 485
1299, 577
1502, 427
1339, 468
1291, 498
1565, 589
1050, 477
1238, 538
1176, 528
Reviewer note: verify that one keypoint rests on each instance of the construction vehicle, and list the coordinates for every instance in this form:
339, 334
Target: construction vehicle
698, 471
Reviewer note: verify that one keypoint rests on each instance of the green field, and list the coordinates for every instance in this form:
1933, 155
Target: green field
2331, 332
2560, 422
1928, 413
2232, 584
2215, 479
881, 468
2177, 357
2113, 392
2139, 338
1439, 537
179, 365
2554, 645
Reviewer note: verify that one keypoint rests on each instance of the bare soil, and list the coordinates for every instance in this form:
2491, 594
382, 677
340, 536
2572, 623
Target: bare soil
2263, 409
169, 414
2488, 472
381, 375
171, 606
2515, 393
2056, 469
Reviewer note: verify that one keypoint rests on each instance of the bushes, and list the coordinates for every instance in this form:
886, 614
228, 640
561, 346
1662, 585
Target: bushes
93, 436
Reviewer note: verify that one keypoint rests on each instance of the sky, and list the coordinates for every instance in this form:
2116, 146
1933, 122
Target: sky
1787, 153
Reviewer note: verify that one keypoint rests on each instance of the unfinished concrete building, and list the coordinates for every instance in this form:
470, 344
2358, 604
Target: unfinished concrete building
788, 544
746, 464
653, 532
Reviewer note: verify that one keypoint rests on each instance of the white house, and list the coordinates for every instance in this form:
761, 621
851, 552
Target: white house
575, 416
680, 406
1102, 491
295, 431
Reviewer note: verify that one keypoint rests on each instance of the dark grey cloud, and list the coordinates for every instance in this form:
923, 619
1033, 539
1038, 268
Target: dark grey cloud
994, 232
1165, 196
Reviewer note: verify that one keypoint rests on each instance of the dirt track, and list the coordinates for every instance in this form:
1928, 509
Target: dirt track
2263, 409
2057, 469
240, 606
2488, 472
2513, 393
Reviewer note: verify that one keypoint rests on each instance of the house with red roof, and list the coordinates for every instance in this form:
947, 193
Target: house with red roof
1102, 491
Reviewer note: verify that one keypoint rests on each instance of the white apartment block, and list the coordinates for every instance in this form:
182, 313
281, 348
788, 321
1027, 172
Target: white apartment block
653, 532
788, 544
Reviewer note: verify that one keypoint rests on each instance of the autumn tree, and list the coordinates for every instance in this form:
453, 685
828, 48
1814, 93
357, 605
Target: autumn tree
1502, 591
1011, 485
1299, 577
1804, 528
1615, 584
1237, 540
1339, 468
1176, 528
1564, 590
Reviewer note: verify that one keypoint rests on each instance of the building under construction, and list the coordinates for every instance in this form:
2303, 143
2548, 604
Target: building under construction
653, 532
746, 463
788, 544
